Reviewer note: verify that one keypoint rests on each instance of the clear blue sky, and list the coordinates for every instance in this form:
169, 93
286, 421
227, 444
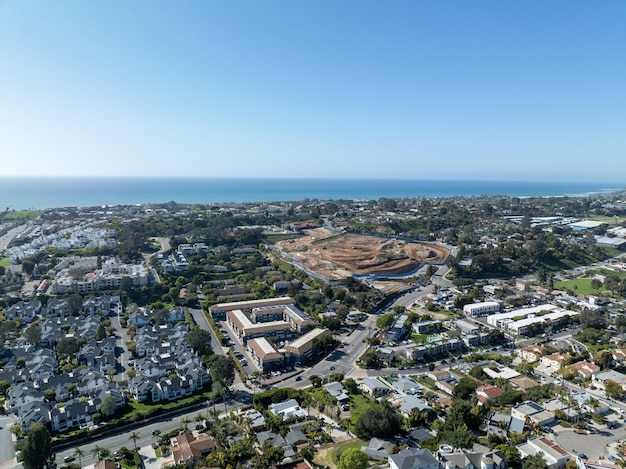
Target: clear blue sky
425, 89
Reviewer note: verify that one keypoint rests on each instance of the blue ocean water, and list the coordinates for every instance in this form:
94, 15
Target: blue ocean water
18, 193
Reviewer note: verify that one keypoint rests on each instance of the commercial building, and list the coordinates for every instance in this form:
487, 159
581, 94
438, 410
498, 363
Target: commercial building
301, 349
265, 355
246, 329
219, 310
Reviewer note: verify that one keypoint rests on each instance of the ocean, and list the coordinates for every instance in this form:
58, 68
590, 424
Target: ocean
20, 193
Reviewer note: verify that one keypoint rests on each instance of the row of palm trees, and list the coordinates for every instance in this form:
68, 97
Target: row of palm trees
101, 453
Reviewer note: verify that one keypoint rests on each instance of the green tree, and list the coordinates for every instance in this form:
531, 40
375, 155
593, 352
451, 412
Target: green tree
28, 266
79, 453
385, 321
74, 304
37, 452
222, 370
510, 396
100, 453
612, 389
465, 388
200, 341
370, 360
417, 418
603, 359
378, 421
353, 458
477, 372
534, 461
134, 436
67, 347
32, 335
108, 406
101, 333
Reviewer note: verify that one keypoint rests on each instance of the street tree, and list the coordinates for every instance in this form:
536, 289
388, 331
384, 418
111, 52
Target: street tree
612, 389
222, 370
37, 452
134, 436
385, 321
79, 453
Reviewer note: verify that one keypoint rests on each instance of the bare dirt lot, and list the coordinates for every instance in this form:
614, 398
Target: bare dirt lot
338, 256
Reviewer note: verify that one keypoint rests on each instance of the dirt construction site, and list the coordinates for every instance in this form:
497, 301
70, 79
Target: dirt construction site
337, 256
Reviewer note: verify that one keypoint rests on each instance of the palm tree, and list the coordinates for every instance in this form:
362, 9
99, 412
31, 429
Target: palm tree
134, 436
185, 423
79, 453
199, 418
100, 453
592, 403
156, 434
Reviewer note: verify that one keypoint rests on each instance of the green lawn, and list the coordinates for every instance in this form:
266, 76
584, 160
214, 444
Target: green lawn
329, 455
138, 407
605, 272
336, 454
22, 214
578, 286
5, 262
358, 405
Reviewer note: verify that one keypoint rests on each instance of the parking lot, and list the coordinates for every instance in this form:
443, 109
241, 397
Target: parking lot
596, 445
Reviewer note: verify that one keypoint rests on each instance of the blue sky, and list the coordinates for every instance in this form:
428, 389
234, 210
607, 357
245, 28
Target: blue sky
528, 90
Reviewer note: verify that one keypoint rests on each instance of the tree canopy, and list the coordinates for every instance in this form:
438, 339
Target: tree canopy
353, 458
465, 388
222, 370
37, 452
379, 422
200, 341
385, 321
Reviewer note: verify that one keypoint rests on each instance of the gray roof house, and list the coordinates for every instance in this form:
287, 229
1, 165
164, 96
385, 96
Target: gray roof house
412, 458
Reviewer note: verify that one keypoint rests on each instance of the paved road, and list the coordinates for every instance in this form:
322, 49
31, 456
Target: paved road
6, 443
203, 323
114, 443
12, 233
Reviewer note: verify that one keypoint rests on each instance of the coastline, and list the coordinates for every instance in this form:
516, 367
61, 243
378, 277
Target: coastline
21, 193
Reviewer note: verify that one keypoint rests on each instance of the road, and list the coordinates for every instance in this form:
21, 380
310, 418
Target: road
121, 337
203, 323
6, 443
12, 233
114, 443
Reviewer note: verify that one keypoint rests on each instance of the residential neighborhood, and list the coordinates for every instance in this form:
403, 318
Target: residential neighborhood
251, 337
